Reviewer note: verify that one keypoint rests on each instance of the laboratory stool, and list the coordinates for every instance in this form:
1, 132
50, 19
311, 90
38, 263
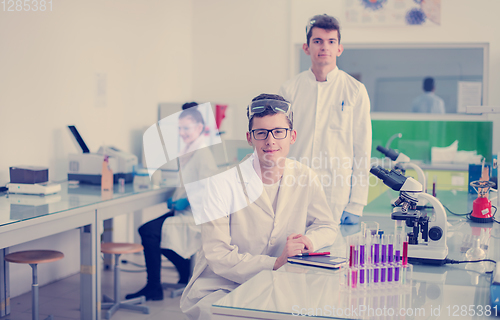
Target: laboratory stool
33, 258
114, 304
178, 288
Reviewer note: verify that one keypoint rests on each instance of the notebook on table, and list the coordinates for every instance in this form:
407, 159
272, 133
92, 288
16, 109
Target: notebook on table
319, 261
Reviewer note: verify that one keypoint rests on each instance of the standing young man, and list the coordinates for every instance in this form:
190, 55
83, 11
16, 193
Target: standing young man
333, 122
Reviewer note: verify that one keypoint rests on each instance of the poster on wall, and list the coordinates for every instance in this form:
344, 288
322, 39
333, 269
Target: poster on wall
469, 95
392, 13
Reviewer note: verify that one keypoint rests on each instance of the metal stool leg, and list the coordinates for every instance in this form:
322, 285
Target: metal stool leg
34, 294
116, 303
177, 292
178, 288
117, 278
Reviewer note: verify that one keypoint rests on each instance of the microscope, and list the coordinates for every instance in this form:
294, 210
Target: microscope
427, 238
401, 163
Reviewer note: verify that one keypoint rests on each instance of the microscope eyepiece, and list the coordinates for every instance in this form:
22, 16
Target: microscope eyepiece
379, 172
389, 153
392, 179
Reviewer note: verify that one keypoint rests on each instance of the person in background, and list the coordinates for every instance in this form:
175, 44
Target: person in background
175, 234
333, 121
428, 102
263, 211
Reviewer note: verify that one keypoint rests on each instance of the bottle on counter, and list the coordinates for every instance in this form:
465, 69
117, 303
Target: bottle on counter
106, 176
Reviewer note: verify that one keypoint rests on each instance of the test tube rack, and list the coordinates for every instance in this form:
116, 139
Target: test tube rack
376, 261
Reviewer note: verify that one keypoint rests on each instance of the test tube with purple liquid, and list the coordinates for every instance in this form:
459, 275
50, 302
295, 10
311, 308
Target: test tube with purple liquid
397, 258
376, 258
383, 268
390, 258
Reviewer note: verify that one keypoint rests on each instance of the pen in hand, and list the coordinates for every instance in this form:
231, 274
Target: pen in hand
313, 254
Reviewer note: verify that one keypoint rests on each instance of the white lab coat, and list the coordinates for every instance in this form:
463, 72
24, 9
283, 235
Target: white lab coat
180, 233
334, 135
239, 245
428, 102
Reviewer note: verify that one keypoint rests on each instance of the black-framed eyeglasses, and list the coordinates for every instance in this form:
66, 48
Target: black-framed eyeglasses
278, 133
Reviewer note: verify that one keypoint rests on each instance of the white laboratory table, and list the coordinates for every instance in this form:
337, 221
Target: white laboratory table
25, 218
456, 291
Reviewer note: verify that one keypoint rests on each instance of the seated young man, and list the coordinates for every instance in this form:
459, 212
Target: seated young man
267, 209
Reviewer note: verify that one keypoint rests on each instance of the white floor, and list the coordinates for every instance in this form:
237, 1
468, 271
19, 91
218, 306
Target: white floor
62, 298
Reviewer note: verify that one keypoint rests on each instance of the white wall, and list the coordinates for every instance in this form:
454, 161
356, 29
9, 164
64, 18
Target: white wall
240, 50
49, 63
48, 66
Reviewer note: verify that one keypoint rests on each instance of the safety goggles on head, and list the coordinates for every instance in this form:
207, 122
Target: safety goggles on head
310, 24
277, 106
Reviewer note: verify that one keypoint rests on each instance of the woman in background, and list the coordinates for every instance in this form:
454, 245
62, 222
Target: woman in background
175, 235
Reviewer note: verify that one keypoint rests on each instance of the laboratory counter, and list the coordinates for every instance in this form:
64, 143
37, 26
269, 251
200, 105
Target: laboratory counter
458, 291
25, 218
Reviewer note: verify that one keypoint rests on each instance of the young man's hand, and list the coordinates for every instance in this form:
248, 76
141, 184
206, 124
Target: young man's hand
307, 243
295, 244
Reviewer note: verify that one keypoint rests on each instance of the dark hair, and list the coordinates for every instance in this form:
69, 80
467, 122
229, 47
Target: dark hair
191, 109
428, 84
322, 21
268, 111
